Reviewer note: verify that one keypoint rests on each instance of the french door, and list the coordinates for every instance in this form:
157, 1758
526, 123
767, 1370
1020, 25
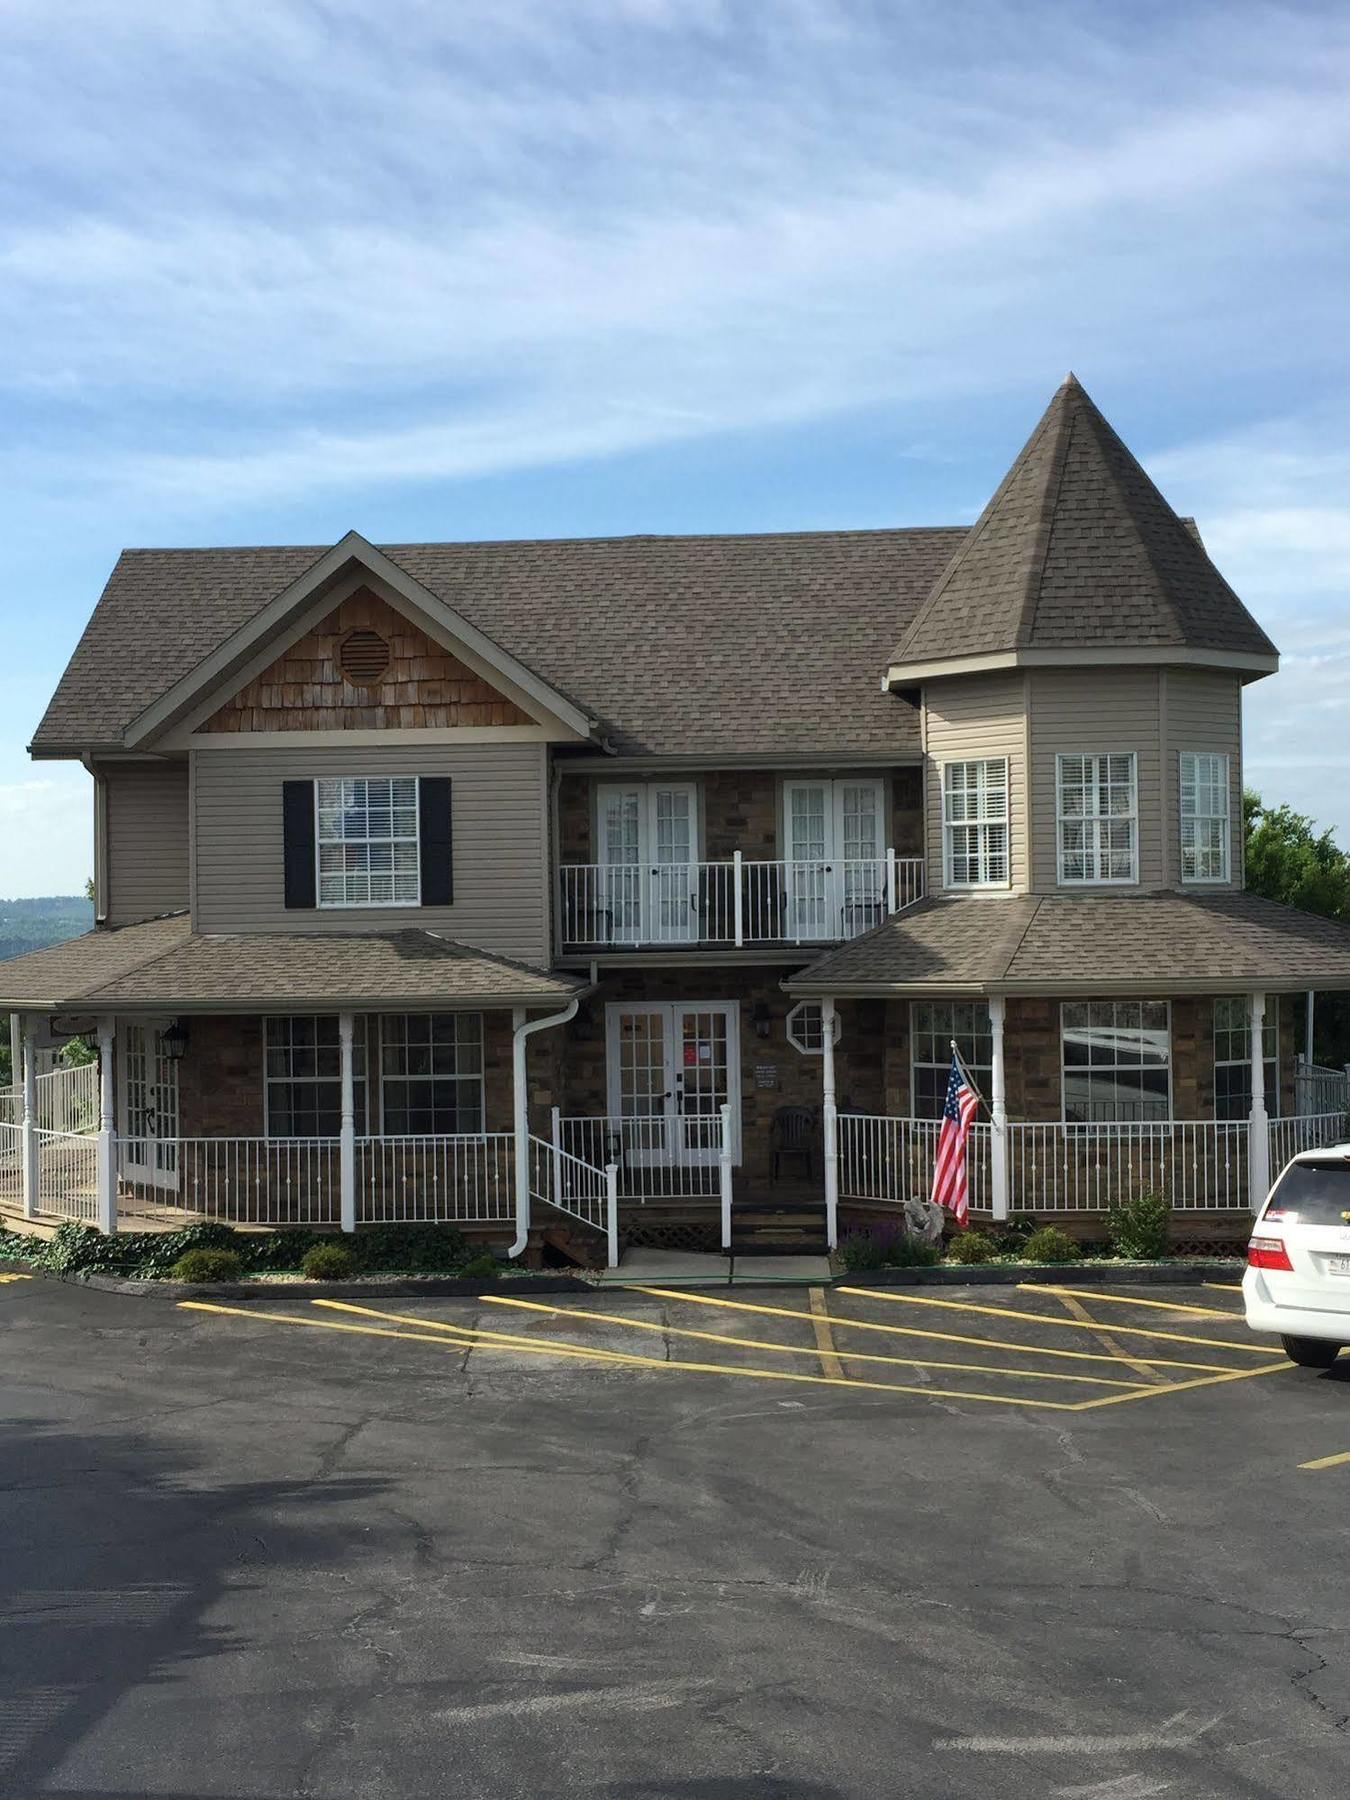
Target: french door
672, 1068
836, 850
649, 863
148, 1122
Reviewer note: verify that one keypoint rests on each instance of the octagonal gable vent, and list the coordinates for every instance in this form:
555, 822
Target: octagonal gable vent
363, 657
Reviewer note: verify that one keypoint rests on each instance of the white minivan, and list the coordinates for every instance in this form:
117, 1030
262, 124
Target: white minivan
1298, 1261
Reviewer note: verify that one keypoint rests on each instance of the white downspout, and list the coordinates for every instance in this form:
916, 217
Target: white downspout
520, 1097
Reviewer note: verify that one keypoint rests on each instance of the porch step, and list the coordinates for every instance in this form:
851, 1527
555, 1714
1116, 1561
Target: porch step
778, 1228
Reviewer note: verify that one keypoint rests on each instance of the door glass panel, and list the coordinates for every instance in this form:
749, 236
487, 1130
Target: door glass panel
674, 877
640, 1048
621, 845
703, 1087
809, 876
864, 879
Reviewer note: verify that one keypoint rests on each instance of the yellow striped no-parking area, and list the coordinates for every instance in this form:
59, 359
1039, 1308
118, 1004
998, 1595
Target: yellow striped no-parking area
1052, 1348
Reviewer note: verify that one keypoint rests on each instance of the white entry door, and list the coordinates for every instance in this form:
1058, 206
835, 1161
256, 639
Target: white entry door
836, 855
148, 1122
649, 856
672, 1067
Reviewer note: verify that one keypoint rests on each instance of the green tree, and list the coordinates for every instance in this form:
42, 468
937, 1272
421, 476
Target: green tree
1289, 860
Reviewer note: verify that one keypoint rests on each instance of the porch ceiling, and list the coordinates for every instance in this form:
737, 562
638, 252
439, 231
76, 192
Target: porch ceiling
163, 965
1159, 944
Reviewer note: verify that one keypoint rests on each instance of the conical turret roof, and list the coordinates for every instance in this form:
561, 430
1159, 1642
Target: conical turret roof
1078, 551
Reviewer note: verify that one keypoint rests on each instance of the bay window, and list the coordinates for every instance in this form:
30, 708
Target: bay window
1204, 816
975, 822
1098, 818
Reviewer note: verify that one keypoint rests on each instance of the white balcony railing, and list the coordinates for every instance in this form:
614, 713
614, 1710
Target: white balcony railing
732, 904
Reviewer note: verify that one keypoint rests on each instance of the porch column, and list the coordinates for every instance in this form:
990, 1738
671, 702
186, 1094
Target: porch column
998, 1108
830, 1122
347, 1128
520, 1112
15, 1049
107, 1131
29, 1120
1258, 1125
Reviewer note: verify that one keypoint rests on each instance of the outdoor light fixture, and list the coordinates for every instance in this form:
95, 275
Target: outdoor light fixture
761, 1018
173, 1042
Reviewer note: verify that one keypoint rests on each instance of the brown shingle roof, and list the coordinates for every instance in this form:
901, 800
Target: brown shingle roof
1162, 943
680, 645
1078, 550
163, 963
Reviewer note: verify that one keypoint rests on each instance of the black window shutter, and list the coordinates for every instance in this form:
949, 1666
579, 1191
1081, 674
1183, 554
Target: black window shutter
433, 819
297, 821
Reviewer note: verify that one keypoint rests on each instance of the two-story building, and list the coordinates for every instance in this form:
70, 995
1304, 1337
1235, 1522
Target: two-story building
647, 882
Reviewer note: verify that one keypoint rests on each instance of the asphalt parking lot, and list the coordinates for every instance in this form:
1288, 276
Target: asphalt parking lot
777, 1542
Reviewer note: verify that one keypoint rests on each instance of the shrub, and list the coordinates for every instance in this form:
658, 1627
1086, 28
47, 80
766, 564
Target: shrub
1050, 1245
327, 1262
206, 1265
1012, 1233
859, 1250
483, 1267
1138, 1228
887, 1246
972, 1247
427, 1249
909, 1252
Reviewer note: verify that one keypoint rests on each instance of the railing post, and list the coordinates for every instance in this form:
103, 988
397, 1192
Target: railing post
555, 1135
107, 1132
29, 1121
738, 897
612, 1214
1258, 1149
830, 1121
724, 1174
998, 1109
892, 882
347, 1134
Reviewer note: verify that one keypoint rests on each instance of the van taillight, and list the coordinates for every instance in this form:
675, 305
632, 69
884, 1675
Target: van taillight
1268, 1253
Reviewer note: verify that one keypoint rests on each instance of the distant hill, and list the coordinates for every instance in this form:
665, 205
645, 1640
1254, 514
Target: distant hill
48, 919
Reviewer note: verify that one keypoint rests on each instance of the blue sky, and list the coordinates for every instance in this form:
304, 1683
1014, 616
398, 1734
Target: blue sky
440, 270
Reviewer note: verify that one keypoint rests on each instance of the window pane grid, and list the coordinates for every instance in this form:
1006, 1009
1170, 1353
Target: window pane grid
1116, 1060
1232, 1057
933, 1025
1098, 817
368, 841
302, 1076
1204, 816
975, 819
431, 1074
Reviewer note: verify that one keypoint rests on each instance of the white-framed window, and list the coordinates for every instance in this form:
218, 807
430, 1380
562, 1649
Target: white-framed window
1233, 1056
975, 822
1098, 818
302, 1077
933, 1025
366, 840
1205, 829
1116, 1062
431, 1074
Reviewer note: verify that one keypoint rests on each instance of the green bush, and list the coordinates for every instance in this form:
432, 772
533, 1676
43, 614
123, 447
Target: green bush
1139, 1228
887, 1246
1012, 1233
861, 1250
1050, 1245
327, 1262
972, 1247
909, 1252
206, 1265
483, 1267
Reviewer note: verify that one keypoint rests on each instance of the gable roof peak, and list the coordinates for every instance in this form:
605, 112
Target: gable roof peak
1076, 552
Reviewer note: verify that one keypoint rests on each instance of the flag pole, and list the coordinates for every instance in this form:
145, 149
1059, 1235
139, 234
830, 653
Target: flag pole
969, 1079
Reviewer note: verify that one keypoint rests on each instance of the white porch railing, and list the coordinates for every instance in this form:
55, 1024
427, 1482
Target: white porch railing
436, 1180
11, 1166
238, 1181
67, 1100
732, 903
1289, 1137
1319, 1090
577, 1188
67, 1175
657, 1157
889, 1160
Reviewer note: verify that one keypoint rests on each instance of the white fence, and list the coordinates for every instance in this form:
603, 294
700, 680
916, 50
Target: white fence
622, 905
238, 1181
67, 1175
1288, 1137
11, 1166
436, 1180
1319, 1090
658, 1157
66, 1100
890, 1160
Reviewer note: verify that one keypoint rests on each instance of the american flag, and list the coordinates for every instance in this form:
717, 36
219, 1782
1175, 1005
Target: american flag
950, 1187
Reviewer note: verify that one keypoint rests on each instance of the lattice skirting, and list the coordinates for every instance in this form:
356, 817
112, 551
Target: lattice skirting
673, 1234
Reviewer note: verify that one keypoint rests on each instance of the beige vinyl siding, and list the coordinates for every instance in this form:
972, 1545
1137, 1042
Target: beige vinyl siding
1203, 712
1095, 711
498, 823
144, 865
967, 718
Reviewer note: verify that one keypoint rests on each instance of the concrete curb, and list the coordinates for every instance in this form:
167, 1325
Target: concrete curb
1078, 1274
403, 1287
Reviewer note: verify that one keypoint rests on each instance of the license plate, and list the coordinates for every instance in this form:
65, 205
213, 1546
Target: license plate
1338, 1265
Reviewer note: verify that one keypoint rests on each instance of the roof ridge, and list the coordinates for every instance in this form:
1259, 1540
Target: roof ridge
1038, 901
1045, 531
617, 537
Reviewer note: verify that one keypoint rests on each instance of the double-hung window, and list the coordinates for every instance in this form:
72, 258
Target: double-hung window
367, 840
1117, 1060
1233, 1056
934, 1025
303, 1077
1204, 816
975, 822
1098, 818
431, 1074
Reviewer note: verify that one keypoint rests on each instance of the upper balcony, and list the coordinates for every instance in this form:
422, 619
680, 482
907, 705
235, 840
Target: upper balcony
734, 904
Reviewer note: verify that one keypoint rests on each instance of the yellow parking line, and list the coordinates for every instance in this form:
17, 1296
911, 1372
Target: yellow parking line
1006, 1312
1223, 1287
743, 1343
503, 1342
1104, 1337
1181, 1387
946, 1337
820, 1326
1327, 1462
1207, 1312
7, 1276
